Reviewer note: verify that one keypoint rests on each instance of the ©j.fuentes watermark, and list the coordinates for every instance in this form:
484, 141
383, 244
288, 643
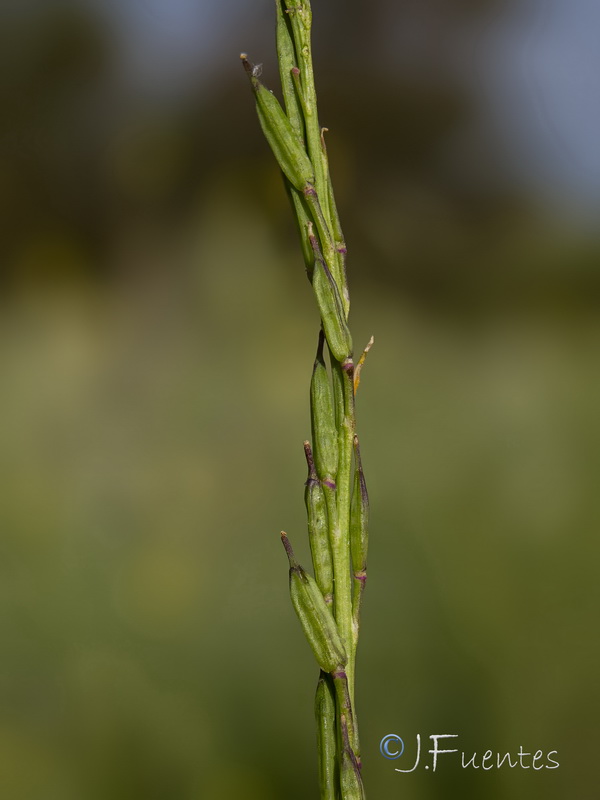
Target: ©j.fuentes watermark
392, 747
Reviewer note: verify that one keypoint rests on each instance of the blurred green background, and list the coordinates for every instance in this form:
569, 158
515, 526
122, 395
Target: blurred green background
157, 334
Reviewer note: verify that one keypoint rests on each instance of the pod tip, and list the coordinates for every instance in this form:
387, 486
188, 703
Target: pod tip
312, 472
288, 549
246, 64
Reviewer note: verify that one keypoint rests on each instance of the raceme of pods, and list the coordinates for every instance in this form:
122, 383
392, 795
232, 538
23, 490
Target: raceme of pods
328, 605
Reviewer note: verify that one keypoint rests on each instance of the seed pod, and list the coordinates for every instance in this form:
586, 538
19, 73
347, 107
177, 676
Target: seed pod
316, 619
285, 144
323, 243
359, 516
286, 57
302, 220
337, 233
326, 738
350, 777
331, 310
330, 305
325, 438
337, 381
318, 535
344, 708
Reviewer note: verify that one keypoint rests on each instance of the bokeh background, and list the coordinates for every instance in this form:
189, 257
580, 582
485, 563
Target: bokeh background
157, 334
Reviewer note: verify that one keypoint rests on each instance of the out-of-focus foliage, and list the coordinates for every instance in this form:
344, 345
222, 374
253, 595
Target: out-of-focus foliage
156, 345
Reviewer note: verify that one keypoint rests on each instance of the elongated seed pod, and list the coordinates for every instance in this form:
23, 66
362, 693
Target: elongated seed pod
279, 133
316, 619
325, 438
325, 245
337, 382
338, 236
350, 777
359, 516
344, 706
286, 57
330, 305
326, 738
318, 532
302, 219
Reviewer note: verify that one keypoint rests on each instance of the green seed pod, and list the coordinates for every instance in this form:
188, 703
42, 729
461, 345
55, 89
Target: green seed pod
316, 619
318, 534
340, 250
302, 220
344, 708
325, 437
359, 516
330, 305
326, 738
350, 777
337, 380
281, 136
286, 56
337, 234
